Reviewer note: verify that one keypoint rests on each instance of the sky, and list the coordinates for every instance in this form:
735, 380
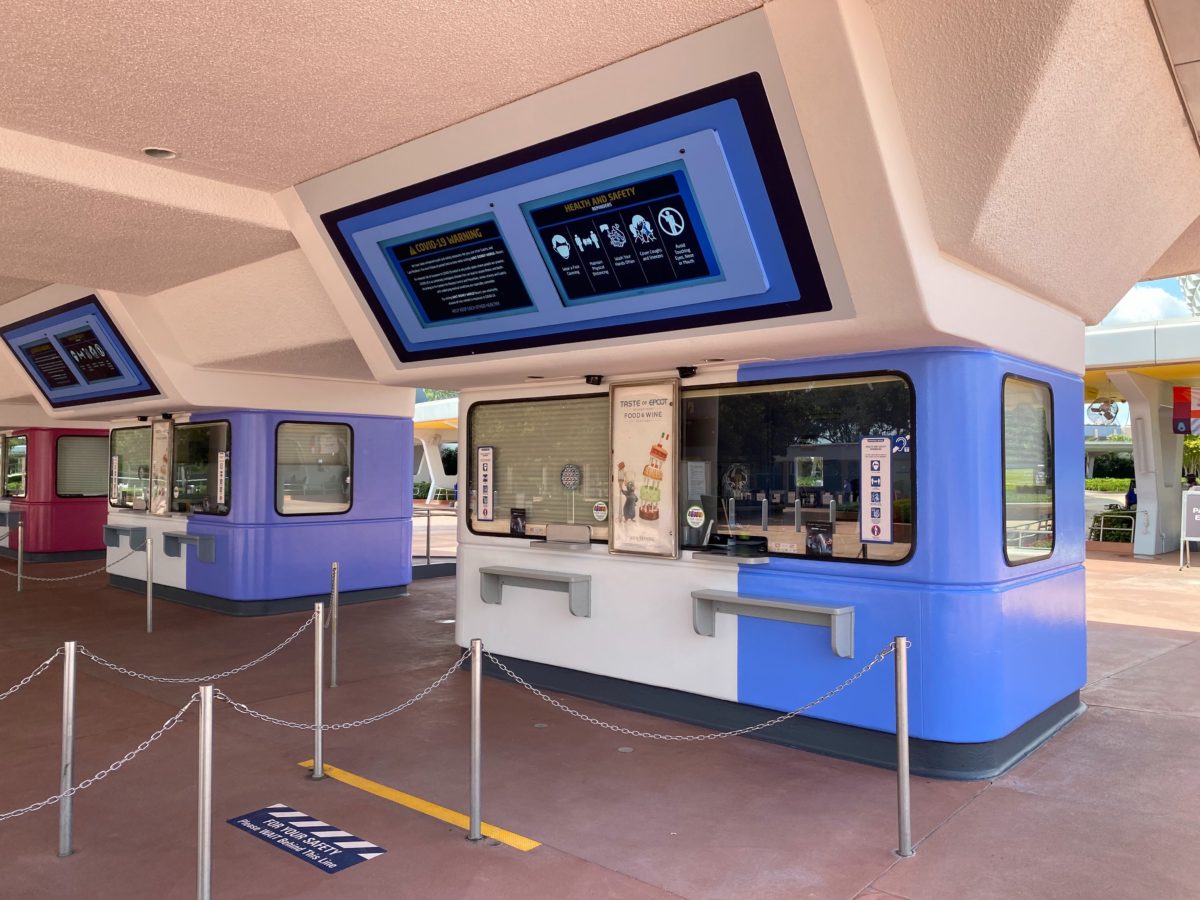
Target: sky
1149, 301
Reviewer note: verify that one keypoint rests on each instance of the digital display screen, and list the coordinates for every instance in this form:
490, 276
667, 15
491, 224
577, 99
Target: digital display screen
75, 355
47, 360
88, 353
677, 216
603, 241
465, 272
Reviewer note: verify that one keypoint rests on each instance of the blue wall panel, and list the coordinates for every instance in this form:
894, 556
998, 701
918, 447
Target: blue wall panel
993, 644
262, 555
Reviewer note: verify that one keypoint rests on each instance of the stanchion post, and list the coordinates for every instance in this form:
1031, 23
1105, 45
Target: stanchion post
149, 548
903, 796
475, 833
204, 798
67, 774
20, 554
428, 535
318, 771
333, 618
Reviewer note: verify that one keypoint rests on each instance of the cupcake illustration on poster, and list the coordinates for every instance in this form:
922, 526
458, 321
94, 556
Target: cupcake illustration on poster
644, 469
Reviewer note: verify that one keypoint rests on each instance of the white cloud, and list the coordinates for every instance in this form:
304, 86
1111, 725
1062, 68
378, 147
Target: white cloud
1146, 304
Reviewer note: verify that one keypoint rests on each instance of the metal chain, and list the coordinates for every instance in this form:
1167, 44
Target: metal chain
32, 675
25, 577
104, 773
339, 726
198, 679
879, 657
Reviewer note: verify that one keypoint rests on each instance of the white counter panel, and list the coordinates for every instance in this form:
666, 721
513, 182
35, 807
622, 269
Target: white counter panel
168, 570
640, 628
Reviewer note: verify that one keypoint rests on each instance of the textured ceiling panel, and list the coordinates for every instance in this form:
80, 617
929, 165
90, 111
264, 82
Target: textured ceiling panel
271, 94
61, 232
12, 288
1183, 258
339, 359
1047, 134
1180, 21
279, 308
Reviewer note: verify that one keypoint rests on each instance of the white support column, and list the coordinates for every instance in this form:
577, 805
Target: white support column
1157, 463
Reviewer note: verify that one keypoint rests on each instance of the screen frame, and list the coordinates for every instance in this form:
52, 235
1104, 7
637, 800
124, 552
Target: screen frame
17, 335
781, 201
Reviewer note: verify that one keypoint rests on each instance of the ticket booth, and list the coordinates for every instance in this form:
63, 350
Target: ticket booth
730, 419
247, 509
55, 484
245, 487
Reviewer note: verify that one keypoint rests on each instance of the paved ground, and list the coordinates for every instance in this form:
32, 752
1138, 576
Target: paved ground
1106, 809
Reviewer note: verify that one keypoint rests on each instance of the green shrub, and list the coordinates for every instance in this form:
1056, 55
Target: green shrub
420, 490
1113, 465
450, 460
1108, 485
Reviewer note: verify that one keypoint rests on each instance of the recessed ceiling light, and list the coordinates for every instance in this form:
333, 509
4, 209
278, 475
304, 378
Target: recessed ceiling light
715, 359
159, 153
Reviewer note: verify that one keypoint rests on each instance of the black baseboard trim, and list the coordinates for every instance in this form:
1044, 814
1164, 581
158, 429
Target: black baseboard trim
252, 607
930, 759
63, 556
433, 570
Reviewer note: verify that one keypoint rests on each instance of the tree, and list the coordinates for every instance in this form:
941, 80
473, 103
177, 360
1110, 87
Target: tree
1191, 453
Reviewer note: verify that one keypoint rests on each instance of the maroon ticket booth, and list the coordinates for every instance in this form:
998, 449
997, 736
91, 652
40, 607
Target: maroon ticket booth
56, 487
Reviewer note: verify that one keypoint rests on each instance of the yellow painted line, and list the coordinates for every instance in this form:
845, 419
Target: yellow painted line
448, 816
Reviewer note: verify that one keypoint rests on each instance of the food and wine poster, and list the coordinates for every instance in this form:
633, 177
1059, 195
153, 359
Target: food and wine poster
644, 466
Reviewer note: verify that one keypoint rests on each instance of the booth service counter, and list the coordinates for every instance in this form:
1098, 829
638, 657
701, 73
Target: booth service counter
877, 514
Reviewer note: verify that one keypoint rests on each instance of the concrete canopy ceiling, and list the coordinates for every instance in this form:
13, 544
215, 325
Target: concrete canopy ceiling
1050, 141
254, 98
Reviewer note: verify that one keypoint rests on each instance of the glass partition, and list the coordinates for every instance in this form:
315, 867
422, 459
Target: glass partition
200, 475
313, 463
781, 465
15, 447
130, 447
1028, 470
533, 441
81, 467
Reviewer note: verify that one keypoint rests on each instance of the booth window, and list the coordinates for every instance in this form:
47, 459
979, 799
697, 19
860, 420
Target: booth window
131, 449
1028, 455
15, 448
313, 462
81, 469
533, 441
778, 468
200, 474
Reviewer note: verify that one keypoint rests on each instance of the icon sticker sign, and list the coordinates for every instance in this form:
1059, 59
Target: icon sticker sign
875, 521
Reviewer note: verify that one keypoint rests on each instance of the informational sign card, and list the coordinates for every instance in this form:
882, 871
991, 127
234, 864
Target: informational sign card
634, 235
460, 273
318, 843
485, 483
644, 465
875, 500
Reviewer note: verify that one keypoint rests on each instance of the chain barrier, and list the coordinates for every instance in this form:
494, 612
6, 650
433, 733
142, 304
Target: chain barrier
32, 675
104, 773
198, 679
87, 574
339, 726
879, 657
